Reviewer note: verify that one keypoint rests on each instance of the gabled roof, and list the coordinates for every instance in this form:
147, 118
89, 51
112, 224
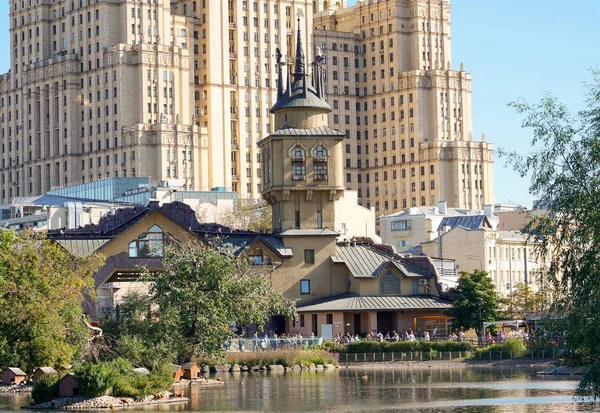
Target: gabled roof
82, 247
47, 370
366, 262
17, 371
466, 222
189, 365
355, 302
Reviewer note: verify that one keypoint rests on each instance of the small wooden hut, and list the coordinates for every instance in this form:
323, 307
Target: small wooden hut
13, 375
191, 371
177, 372
41, 372
68, 386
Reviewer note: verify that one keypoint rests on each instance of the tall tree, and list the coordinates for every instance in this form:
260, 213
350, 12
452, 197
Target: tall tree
202, 292
475, 294
564, 170
524, 301
41, 291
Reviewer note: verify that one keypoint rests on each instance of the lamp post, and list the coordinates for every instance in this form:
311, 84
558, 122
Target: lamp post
479, 301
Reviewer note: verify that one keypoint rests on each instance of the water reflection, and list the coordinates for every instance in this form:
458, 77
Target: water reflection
426, 389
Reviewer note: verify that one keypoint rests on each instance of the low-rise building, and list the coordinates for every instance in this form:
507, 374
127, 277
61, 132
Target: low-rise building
41, 372
509, 257
13, 375
409, 228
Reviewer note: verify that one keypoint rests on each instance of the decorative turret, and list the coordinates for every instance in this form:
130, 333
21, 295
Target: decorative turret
300, 98
302, 161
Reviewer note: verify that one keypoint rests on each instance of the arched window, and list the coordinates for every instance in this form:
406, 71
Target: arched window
389, 284
320, 163
259, 257
149, 244
298, 164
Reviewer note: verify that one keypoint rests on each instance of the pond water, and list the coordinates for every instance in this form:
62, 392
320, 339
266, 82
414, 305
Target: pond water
464, 390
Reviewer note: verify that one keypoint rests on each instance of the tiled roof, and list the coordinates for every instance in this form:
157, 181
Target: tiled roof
320, 131
188, 366
354, 302
366, 262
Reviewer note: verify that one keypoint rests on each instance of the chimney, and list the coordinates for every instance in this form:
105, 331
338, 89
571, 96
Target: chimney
488, 210
442, 206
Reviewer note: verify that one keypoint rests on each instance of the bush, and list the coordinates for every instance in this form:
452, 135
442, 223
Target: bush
408, 346
331, 346
514, 346
364, 347
46, 388
94, 379
286, 358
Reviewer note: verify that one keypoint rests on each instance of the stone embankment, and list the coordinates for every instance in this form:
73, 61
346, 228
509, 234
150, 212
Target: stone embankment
108, 402
16, 388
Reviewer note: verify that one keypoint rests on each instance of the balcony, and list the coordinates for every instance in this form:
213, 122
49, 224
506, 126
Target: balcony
320, 177
298, 177
298, 159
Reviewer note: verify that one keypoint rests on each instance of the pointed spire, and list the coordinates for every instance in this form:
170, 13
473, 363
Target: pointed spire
299, 70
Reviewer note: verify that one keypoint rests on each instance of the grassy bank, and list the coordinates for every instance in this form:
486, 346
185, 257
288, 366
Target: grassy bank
286, 358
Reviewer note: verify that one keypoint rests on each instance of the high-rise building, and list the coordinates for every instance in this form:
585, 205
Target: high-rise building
120, 88
405, 112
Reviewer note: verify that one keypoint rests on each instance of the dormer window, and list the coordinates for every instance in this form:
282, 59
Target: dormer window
298, 164
320, 163
149, 244
259, 257
389, 284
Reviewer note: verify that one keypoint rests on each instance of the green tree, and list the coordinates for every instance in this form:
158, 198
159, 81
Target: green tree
202, 292
248, 214
41, 291
564, 170
474, 292
524, 301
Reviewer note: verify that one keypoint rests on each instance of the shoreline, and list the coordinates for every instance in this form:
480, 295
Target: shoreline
462, 363
107, 402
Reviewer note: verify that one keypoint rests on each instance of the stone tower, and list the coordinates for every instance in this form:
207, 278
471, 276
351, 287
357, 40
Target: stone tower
302, 161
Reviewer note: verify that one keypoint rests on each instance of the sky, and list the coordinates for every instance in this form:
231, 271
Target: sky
513, 49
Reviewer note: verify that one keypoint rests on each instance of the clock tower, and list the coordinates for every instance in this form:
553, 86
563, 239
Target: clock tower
302, 161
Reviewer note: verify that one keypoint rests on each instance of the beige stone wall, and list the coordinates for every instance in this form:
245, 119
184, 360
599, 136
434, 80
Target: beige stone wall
408, 109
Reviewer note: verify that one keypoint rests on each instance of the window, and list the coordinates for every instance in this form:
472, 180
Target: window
301, 320
328, 318
259, 258
304, 289
320, 163
389, 284
298, 163
309, 256
400, 225
149, 244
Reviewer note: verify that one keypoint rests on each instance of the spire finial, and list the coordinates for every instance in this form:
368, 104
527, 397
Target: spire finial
299, 70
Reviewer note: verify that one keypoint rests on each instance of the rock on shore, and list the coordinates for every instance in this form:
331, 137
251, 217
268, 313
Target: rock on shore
16, 388
106, 402
201, 381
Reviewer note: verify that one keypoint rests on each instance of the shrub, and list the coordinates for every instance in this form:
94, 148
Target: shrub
364, 347
408, 346
94, 379
286, 358
46, 388
331, 346
514, 346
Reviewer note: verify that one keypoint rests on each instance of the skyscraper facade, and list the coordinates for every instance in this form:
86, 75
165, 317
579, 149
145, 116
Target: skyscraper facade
406, 113
140, 88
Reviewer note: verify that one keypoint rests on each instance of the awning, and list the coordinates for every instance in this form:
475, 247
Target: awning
354, 302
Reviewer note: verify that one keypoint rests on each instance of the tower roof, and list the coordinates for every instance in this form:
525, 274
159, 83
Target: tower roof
301, 93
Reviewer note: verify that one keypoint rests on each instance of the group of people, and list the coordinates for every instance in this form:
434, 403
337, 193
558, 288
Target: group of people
283, 340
